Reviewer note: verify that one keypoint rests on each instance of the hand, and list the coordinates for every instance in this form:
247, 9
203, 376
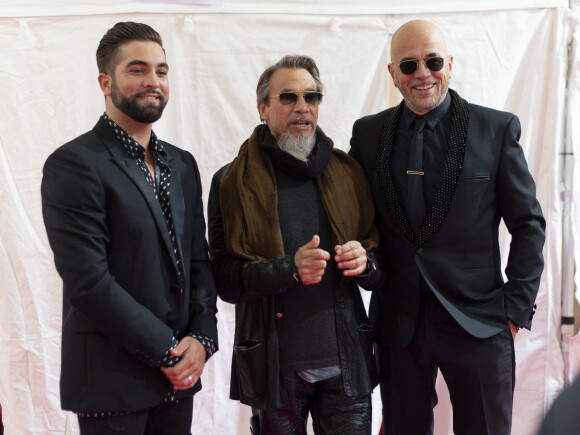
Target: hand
311, 262
513, 329
351, 257
186, 372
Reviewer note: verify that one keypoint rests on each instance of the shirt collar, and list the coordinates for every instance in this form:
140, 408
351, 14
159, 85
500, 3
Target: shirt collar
432, 118
130, 145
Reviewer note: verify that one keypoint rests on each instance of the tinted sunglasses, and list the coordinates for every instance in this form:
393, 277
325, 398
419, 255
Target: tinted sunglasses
409, 67
312, 98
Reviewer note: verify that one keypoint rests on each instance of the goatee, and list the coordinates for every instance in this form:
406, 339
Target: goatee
297, 146
130, 106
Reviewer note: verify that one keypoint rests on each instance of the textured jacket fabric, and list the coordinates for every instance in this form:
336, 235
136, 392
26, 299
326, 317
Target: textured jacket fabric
485, 180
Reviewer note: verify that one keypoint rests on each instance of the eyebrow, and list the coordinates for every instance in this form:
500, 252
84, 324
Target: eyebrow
294, 91
143, 63
433, 54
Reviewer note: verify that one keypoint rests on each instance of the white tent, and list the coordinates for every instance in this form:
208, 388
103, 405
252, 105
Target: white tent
514, 55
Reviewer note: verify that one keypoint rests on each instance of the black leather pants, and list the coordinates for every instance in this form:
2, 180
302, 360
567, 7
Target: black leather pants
333, 412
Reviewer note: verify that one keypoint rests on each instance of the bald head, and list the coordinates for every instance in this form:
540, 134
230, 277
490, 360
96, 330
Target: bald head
418, 41
417, 34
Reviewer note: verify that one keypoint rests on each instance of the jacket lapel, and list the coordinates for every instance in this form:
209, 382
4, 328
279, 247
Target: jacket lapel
384, 177
452, 170
120, 158
177, 204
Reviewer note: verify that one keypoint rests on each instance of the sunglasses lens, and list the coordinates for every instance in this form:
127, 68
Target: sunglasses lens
288, 98
408, 67
313, 98
435, 63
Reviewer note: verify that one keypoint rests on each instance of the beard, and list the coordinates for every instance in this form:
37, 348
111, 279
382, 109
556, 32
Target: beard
297, 146
130, 106
420, 106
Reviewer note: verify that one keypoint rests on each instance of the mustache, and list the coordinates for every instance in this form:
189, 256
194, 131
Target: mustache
152, 92
295, 118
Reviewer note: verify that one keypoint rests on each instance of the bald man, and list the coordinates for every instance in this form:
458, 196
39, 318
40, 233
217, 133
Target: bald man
443, 173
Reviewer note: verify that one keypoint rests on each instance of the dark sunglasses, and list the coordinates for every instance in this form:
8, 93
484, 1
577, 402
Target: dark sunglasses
312, 98
409, 67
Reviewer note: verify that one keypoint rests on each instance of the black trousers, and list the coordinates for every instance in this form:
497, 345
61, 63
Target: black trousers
166, 418
333, 412
480, 375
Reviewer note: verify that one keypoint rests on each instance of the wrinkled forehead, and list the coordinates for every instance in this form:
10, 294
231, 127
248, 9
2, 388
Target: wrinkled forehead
291, 80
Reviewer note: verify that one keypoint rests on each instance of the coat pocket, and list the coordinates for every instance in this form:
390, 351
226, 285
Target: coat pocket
366, 335
251, 367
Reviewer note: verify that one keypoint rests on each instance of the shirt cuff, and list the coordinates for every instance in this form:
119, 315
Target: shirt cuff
168, 360
207, 342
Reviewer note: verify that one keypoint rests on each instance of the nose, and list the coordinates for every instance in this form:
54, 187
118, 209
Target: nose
152, 80
422, 70
301, 105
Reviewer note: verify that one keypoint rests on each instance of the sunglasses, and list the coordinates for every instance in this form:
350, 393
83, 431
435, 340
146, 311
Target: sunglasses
409, 67
311, 98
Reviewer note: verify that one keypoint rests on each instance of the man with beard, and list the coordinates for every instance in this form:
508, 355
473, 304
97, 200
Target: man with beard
124, 218
303, 343
443, 173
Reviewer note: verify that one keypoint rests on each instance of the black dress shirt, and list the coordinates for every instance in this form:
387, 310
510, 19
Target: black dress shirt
435, 134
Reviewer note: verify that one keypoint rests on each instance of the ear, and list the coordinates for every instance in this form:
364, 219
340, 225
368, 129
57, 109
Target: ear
450, 64
105, 82
264, 111
392, 72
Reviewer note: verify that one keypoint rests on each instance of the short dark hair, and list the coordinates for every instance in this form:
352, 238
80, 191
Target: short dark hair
116, 36
290, 61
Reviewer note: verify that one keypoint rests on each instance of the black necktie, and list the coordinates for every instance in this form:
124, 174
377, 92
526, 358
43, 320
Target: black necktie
416, 203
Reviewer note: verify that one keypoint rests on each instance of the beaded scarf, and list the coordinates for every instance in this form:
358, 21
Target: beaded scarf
449, 178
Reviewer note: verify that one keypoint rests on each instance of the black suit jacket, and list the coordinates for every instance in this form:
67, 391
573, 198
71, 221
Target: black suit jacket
457, 252
122, 294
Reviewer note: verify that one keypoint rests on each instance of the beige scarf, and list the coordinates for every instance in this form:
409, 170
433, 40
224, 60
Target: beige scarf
248, 200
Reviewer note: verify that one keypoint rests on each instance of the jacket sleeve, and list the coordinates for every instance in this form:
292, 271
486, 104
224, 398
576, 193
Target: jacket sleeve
523, 218
240, 280
377, 276
203, 295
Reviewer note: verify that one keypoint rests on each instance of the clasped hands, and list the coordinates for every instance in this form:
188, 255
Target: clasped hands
311, 261
186, 372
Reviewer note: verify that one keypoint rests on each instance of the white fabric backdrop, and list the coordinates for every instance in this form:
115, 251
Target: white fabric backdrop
574, 135
38, 8
512, 56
